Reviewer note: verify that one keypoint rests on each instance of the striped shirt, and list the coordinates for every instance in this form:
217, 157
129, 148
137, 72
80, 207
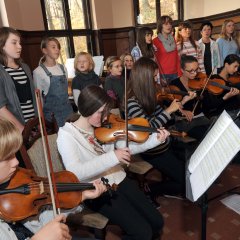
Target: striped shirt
157, 119
189, 49
22, 84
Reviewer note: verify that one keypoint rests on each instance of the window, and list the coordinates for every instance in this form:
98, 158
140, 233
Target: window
148, 11
69, 21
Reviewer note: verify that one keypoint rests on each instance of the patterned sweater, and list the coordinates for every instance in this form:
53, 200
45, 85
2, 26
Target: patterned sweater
188, 49
158, 119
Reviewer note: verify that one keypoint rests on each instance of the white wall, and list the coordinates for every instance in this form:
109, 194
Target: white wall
3, 15
112, 13
27, 14
203, 8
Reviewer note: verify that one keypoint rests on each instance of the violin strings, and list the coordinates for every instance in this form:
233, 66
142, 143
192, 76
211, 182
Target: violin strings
61, 186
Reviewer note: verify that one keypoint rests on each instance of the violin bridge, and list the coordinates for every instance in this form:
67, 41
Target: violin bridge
41, 187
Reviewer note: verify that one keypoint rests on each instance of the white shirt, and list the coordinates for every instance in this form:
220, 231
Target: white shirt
80, 158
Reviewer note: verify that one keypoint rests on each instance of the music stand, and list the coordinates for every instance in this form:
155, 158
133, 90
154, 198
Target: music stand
214, 153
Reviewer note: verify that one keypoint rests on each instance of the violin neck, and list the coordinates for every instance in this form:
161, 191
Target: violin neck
220, 85
133, 127
182, 93
70, 187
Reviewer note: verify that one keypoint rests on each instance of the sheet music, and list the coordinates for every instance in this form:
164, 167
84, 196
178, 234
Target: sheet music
98, 60
213, 154
233, 202
99, 63
70, 67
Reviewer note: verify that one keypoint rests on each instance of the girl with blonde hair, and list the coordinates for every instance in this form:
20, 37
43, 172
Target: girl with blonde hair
227, 42
85, 75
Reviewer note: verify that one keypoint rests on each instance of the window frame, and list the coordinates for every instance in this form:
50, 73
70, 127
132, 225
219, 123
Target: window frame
158, 13
69, 33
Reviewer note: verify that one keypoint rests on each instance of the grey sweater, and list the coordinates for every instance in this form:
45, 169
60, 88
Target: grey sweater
8, 93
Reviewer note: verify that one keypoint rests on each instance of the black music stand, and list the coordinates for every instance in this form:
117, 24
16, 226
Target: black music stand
226, 131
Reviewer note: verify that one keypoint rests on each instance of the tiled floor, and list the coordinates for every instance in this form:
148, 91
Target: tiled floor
183, 218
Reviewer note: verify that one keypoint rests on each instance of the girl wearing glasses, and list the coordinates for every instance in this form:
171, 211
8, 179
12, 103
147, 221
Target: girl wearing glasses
194, 123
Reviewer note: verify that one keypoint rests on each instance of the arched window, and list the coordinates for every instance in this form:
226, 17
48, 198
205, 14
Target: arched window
69, 21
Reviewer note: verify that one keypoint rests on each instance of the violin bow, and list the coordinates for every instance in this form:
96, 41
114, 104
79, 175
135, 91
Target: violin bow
207, 80
126, 110
162, 75
47, 156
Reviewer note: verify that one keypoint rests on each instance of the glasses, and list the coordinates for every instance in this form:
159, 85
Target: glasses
192, 70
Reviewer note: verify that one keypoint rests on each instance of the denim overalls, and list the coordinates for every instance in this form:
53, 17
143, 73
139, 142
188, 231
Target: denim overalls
56, 101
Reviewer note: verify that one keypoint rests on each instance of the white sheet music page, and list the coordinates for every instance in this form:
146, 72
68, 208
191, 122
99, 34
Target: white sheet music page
213, 154
98, 60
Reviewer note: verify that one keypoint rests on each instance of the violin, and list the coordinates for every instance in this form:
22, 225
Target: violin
198, 82
221, 84
170, 93
215, 86
234, 79
26, 193
138, 130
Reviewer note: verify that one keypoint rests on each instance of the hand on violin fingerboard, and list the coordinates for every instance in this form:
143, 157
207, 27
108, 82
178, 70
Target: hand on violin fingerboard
123, 155
91, 194
162, 135
175, 105
233, 92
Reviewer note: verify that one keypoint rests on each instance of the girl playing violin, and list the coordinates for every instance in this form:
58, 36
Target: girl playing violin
142, 102
191, 124
82, 154
229, 99
11, 141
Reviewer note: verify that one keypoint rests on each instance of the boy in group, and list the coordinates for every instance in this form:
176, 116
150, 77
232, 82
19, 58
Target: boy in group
43, 226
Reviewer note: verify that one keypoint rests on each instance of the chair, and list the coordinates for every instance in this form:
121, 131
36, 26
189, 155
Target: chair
33, 157
139, 168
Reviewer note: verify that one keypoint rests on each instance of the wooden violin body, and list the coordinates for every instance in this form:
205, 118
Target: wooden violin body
198, 82
138, 130
26, 193
234, 79
215, 86
170, 93
115, 130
